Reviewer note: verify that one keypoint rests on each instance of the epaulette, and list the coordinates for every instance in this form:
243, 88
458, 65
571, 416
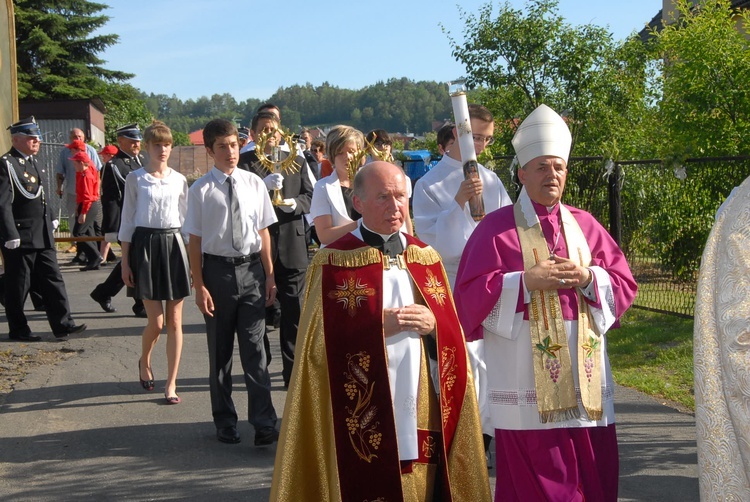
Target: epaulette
424, 256
353, 258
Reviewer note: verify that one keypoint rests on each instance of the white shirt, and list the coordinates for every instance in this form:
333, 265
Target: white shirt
440, 221
328, 199
209, 217
153, 202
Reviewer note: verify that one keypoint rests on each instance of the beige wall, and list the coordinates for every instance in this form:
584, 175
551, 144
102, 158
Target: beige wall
8, 90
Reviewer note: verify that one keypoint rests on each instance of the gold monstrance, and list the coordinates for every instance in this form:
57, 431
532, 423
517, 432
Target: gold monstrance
355, 163
272, 162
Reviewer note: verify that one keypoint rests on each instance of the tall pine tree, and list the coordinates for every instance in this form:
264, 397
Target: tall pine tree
57, 56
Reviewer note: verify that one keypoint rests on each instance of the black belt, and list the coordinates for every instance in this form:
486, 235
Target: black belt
233, 260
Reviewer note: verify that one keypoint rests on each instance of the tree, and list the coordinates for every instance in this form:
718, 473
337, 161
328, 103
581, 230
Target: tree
123, 106
56, 54
521, 59
180, 138
703, 65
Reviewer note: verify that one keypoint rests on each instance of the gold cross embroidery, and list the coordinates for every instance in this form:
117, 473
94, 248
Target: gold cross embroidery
428, 446
435, 288
351, 293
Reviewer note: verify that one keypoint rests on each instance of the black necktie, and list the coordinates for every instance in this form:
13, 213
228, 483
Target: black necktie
392, 247
234, 207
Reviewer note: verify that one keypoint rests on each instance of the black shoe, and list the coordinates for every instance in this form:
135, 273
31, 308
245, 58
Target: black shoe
104, 302
140, 312
26, 338
77, 261
93, 264
111, 257
72, 330
228, 435
265, 436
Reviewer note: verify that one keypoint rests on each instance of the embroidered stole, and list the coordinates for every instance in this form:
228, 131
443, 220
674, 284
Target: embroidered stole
553, 371
363, 418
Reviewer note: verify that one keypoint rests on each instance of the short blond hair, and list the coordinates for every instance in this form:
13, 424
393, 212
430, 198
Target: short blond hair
158, 132
339, 136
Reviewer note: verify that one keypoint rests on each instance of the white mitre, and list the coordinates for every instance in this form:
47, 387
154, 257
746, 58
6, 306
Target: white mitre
544, 132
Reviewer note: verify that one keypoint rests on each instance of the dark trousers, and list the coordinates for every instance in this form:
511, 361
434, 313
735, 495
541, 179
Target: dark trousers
112, 285
290, 283
88, 229
24, 266
36, 299
238, 293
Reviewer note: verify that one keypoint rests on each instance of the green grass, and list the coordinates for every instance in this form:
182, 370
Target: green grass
653, 353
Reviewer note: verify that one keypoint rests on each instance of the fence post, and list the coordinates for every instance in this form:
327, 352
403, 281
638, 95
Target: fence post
615, 206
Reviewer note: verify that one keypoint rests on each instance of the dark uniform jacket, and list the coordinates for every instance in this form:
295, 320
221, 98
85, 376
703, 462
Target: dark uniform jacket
22, 217
114, 173
288, 235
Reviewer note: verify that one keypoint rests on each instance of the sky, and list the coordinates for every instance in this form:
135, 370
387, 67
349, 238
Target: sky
194, 48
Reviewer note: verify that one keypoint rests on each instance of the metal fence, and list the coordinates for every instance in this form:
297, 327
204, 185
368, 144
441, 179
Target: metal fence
660, 215
47, 159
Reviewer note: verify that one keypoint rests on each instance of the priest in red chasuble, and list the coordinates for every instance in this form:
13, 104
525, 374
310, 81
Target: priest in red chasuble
539, 286
381, 404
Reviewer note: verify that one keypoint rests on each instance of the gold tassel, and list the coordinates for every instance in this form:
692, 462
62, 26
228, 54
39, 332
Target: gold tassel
422, 256
559, 415
350, 259
594, 414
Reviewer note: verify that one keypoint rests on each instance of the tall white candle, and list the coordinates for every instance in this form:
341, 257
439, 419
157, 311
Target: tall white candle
463, 124
457, 91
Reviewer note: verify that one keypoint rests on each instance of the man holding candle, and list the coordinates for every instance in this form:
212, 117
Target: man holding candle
442, 217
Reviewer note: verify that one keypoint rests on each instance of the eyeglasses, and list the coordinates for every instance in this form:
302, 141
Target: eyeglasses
487, 140
316, 150
380, 144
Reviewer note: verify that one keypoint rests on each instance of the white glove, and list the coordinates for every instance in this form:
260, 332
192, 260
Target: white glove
274, 181
13, 243
55, 224
292, 205
110, 237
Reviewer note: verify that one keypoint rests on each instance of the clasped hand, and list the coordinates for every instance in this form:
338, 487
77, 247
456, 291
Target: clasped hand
556, 273
417, 318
